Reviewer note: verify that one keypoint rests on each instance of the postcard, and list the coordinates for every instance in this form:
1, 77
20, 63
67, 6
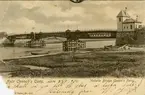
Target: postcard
72, 47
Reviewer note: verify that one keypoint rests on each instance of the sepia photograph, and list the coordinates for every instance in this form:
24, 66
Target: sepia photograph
72, 39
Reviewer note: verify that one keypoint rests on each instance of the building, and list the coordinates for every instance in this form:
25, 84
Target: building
73, 45
129, 31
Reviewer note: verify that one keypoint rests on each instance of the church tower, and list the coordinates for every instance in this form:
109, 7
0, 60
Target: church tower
121, 17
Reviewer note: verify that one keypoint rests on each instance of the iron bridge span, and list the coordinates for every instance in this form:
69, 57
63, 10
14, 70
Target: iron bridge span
77, 34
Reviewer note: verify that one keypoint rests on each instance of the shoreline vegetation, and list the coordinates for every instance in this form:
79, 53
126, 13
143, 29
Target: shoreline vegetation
84, 63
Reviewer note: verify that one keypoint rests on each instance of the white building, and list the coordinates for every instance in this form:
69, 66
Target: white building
126, 23
129, 31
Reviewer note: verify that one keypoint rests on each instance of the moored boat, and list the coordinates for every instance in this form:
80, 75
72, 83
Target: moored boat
35, 44
39, 53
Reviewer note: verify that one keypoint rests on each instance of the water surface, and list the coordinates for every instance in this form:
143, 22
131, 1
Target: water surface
11, 52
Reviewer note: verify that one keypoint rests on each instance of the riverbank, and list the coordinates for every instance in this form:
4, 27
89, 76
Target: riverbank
82, 64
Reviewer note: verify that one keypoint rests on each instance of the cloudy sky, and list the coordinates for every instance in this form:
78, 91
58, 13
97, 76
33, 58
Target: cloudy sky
21, 16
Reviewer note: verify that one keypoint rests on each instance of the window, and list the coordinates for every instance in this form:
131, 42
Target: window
119, 19
130, 26
140, 26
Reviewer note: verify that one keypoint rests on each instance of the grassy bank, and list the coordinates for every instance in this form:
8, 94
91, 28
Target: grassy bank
92, 64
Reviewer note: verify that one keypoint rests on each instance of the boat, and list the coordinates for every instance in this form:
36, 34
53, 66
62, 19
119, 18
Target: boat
39, 53
35, 44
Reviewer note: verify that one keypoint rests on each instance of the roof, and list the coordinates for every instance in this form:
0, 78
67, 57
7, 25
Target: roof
130, 20
123, 13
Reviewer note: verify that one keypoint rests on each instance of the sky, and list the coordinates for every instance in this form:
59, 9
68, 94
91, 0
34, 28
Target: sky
53, 16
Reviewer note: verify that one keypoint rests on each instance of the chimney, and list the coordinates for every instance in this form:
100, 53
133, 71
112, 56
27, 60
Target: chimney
125, 9
136, 17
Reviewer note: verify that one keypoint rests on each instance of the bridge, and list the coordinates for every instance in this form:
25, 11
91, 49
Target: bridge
84, 34
72, 37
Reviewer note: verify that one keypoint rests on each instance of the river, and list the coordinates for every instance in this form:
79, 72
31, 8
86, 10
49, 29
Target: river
11, 52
